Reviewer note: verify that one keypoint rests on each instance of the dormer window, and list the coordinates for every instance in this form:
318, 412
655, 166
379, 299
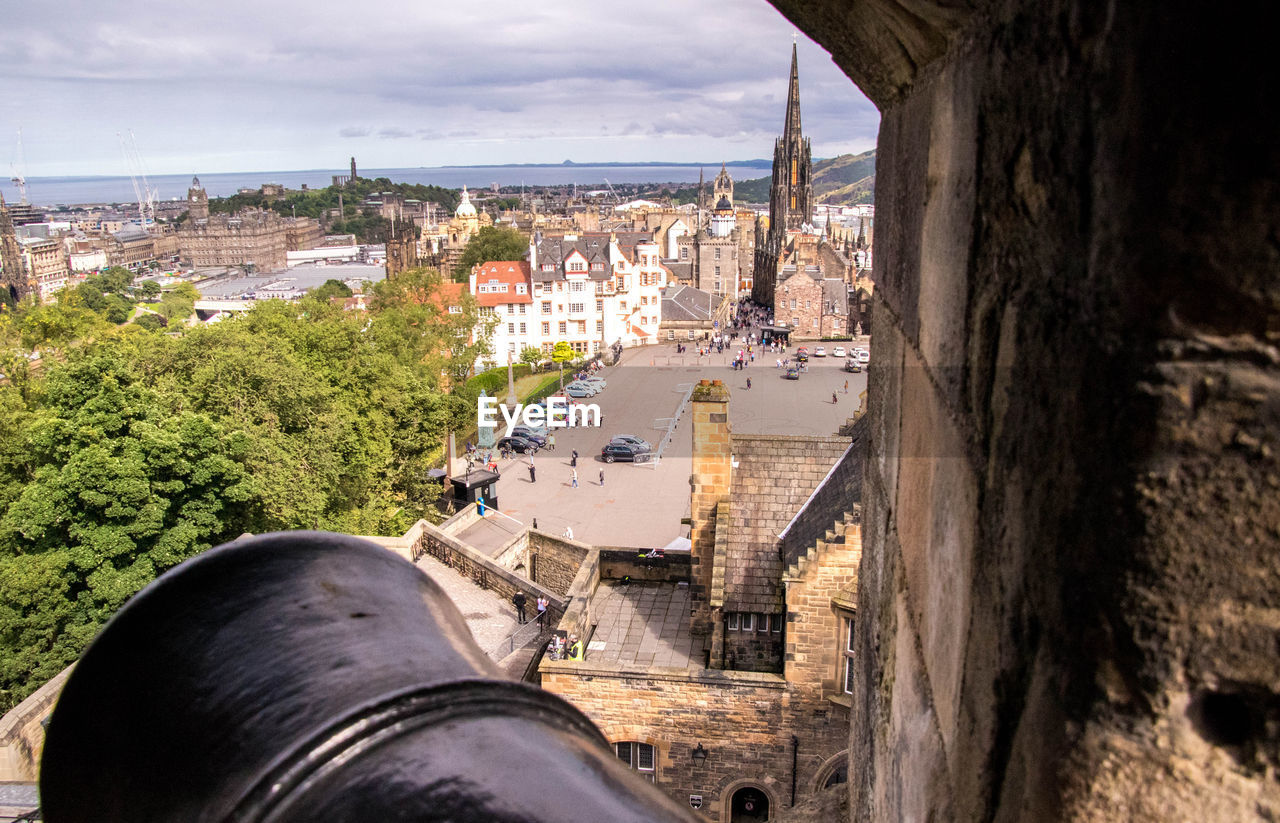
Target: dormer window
521, 288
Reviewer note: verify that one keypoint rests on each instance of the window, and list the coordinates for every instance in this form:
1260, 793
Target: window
455, 310
775, 623
579, 346
762, 622
523, 330
546, 329
644, 301
564, 327
576, 285
731, 621
623, 305
581, 326
691, 334
671, 333
846, 674
815, 322
684, 253
521, 288
599, 305
638, 756
511, 328
793, 303
577, 308
599, 327
548, 266
749, 622
522, 308
717, 271
835, 324
546, 307
717, 252
511, 308
597, 266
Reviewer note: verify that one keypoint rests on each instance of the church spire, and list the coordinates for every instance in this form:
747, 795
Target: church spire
791, 129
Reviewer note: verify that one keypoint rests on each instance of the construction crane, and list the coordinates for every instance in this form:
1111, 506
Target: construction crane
18, 169
145, 194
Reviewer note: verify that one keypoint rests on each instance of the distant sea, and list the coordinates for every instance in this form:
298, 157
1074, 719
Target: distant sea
54, 191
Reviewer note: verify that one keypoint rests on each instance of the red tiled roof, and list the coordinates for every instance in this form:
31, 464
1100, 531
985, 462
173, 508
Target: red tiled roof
503, 272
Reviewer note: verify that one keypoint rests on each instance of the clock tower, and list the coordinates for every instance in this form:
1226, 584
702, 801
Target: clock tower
197, 201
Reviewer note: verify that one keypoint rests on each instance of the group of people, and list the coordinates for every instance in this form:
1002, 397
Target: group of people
558, 644
519, 600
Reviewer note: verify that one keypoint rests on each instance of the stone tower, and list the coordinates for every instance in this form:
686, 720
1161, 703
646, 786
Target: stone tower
197, 201
354, 176
17, 284
722, 186
791, 195
712, 470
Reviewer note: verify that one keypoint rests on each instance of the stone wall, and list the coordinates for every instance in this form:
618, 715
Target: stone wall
616, 563
554, 561
483, 571
22, 731
1068, 597
744, 720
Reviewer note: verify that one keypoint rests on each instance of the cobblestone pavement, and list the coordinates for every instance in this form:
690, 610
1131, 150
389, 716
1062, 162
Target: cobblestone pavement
491, 618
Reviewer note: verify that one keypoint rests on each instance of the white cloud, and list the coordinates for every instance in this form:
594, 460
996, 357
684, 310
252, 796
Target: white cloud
246, 86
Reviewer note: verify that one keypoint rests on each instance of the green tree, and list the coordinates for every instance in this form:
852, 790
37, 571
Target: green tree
531, 355
331, 288
491, 243
178, 303
562, 353
149, 289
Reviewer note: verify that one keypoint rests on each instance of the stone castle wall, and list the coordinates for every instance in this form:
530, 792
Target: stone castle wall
744, 720
1067, 600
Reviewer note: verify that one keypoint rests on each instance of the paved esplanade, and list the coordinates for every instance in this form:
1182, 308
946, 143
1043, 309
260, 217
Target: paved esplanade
642, 506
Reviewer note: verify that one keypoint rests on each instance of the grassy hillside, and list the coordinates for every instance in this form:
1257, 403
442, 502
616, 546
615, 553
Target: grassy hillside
845, 180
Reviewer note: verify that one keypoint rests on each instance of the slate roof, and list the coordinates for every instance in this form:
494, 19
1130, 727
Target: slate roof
773, 478
838, 492
835, 296
680, 269
682, 303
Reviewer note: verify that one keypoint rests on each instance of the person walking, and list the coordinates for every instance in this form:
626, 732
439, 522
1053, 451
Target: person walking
533, 475
518, 600
542, 611
568, 532
846, 387
551, 441
575, 648
573, 459
748, 382
602, 477
573, 476
833, 398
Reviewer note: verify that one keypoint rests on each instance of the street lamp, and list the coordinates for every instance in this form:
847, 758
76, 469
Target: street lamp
511, 380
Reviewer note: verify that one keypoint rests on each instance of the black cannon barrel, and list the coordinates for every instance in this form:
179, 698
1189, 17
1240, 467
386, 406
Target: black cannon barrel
307, 676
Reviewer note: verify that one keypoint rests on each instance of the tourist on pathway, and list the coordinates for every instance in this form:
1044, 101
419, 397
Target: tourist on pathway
575, 649
748, 382
542, 611
551, 442
573, 459
533, 475
573, 475
602, 477
833, 398
568, 532
518, 600
846, 387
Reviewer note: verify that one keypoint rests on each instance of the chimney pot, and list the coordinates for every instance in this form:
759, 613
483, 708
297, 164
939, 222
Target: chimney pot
704, 382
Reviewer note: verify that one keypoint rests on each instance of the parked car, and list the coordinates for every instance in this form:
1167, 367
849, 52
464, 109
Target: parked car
633, 440
792, 373
802, 354
575, 390
523, 430
529, 434
821, 351
620, 451
838, 351
599, 381
851, 364
864, 356
518, 444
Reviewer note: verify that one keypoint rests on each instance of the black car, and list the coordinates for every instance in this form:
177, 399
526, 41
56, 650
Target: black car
529, 434
852, 365
620, 451
518, 444
793, 373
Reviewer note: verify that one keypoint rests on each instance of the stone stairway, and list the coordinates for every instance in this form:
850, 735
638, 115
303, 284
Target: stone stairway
835, 536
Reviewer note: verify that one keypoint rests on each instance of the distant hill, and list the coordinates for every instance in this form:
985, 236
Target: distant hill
846, 180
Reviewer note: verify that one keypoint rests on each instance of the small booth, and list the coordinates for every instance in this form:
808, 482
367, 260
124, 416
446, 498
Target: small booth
769, 334
474, 484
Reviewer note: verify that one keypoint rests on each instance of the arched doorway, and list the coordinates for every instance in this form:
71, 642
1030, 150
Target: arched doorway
749, 804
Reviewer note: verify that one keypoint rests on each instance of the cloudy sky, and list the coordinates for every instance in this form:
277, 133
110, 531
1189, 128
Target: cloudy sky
280, 84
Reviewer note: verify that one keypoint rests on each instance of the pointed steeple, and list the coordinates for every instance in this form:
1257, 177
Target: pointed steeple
792, 127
